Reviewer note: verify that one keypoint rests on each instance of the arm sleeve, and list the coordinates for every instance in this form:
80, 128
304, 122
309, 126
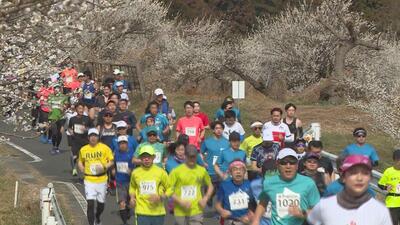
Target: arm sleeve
374, 156
206, 178
206, 120
171, 183
288, 136
203, 148
163, 183
220, 194
71, 123
314, 217
254, 155
383, 181
179, 126
132, 185
312, 196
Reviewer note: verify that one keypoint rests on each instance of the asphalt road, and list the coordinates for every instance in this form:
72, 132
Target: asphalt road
57, 168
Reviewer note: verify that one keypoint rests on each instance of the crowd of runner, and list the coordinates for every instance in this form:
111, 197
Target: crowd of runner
159, 164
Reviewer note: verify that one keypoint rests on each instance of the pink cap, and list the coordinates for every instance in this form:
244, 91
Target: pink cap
353, 160
237, 163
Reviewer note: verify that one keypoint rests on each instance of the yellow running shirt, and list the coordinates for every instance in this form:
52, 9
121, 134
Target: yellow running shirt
94, 157
391, 177
249, 143
145, 182
186, 184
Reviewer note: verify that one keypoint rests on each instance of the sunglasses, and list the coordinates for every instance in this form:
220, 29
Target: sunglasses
285, 162
257, 128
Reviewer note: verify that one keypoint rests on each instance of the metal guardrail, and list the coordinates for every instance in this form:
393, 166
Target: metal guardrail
51, 212
375, 174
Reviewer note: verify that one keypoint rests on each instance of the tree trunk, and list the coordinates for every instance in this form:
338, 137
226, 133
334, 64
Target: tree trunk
340, 58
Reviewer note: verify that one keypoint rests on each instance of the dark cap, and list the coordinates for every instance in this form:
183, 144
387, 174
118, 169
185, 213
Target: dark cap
152, 129
234, 136
396, 154
359, 131
108, 112
191, 150
312, 155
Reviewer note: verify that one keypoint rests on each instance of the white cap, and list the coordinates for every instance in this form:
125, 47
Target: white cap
123, 138
120, 124
267, 135
93, 131
285, 153
158, 91
118, 71
256, 124
125, 96
119, 83
81, 74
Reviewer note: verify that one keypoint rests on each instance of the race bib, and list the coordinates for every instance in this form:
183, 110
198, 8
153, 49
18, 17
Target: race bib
268, 210
94, 168
69, 79
239, 200
88, 95
157, 159
123, 167
188, 192
215, 158
79, 129
190, 131
148, 187
286, 199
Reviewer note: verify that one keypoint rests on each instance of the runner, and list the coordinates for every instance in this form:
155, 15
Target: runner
390, 182
263, 153
176, 156
161, 99
201, 115
161, 122
89, 90
126, 115
147, 189
235, 201
190, 125
292, 195
78, 126
94, 161
279, 130
119, 77
159, 148
111, 106
251, 141
300, 147
122, 130
143, 133
361, 147
57, 102
103, 98
108, 130
231, 125
69, 76
185, 183
228, 156
294, 124
123, 169
311, 164
353, 205
228, 104
43, 95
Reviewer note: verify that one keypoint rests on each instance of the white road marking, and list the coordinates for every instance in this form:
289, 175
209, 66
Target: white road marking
33, 156
77, 194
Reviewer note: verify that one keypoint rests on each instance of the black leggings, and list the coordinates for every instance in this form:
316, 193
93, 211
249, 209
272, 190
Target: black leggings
56, 135
395, 214
90, 211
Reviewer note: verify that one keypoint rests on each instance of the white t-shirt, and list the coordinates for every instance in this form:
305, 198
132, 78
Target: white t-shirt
237, 127
269, 129
329, 212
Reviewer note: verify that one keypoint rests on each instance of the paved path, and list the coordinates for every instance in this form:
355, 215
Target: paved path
57, 169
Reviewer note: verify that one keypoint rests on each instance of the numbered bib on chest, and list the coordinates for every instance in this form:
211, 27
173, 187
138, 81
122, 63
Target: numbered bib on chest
123, 167
286, 199
239, 200
94, 168
148, 187
79, 129
69, 79
88, 95
158, 157
188, 192
190, 131
215, 159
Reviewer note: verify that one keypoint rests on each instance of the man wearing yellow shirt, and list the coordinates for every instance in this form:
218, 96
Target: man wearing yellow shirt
252, 140
390, 181
95, 159
147, 189
185, 183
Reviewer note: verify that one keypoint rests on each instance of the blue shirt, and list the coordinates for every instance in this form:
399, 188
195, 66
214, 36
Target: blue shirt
235, 198
143, 134
221, 113
300, 191
336, 186
172, 163
213, 148
227, 156
123, 162
256, 189
132, 144
125, 84
160, 122
88, 93
366, 150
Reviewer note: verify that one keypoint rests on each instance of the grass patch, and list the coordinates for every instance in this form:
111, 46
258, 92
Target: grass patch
28, 210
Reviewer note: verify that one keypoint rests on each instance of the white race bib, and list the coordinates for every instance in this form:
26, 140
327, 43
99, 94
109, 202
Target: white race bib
123, 167
69, 79
157, 159
286, 199
88, 95
188, 192
94, 167
190, 131
148, 187
239, 200
79, 129
215, 159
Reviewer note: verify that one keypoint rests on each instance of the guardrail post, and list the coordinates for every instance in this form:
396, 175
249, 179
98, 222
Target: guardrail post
45, 202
